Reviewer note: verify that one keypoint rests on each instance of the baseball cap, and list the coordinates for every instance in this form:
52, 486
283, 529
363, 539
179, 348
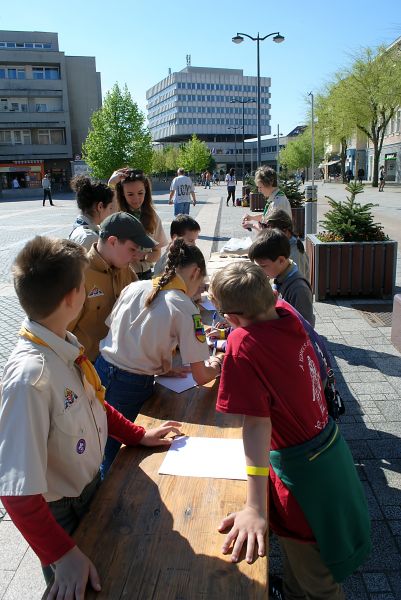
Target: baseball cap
126, 227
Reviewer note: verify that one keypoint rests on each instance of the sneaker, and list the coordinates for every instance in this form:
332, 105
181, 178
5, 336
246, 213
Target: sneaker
275, 588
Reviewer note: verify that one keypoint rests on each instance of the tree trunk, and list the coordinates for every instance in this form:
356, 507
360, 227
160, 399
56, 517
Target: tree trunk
376, 156
343, 156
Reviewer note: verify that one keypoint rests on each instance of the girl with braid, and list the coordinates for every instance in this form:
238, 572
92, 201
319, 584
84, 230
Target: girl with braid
149, 320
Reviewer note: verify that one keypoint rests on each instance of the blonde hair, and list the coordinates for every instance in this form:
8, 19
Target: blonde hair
242, 288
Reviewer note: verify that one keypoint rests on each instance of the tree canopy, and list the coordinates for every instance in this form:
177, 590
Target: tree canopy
117, 136
195, 156
298, 152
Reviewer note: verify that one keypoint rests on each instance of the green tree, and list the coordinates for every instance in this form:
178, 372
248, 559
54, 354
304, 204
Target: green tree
159, 161
195, 155
371, 93
298, 152
118, 136
334, 119
172, 158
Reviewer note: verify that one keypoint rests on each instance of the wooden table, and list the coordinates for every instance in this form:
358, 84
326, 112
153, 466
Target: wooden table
154, 537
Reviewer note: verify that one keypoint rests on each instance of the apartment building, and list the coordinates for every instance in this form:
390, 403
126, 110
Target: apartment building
218, 105
46, 101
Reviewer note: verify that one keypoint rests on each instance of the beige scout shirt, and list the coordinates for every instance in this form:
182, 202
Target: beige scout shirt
160, 237
53, 430
141, 340
103, 286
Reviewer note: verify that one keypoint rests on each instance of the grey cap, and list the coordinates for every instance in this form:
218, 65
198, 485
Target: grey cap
126, 227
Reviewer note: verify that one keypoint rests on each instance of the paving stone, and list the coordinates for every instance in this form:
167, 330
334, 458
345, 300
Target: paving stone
5, 578
29, 584
385, 554
357, 431
12, 546
354, 588
374, 387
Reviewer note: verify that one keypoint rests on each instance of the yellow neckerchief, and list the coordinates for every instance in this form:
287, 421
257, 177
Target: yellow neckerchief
177, 283
86, 367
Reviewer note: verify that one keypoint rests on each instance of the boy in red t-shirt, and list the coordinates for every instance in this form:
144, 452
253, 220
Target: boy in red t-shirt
271, 376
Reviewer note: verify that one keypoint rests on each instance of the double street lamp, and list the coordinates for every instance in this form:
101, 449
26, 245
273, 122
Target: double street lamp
238, 39
235, 145
242, 101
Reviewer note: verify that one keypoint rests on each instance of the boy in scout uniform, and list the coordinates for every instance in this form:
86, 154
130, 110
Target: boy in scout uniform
54, 420
122, 240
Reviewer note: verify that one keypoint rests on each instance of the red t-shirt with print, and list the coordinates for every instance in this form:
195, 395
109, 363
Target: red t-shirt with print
271, 370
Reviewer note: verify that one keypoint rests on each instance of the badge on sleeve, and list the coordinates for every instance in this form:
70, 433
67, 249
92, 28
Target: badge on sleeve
198, 327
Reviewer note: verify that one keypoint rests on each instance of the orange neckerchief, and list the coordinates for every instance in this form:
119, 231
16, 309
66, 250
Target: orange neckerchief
177, 283
86, 367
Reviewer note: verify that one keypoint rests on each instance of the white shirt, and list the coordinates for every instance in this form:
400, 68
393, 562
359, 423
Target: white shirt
53, 430
46, 185
85, 232
230, 180
182, 187
142, 340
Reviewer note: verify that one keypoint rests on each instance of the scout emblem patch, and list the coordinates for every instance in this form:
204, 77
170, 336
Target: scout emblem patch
69, 398
198, 327
95, 292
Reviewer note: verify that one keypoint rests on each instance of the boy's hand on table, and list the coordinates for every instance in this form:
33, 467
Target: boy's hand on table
71, 576
247, 526
157, 436
178, 372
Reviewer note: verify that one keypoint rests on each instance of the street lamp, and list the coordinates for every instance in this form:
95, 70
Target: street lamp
243, 101
278, 150
313, 143
235, 144
238, 39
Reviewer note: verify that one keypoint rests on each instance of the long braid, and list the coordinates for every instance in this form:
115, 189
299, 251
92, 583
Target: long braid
175, 258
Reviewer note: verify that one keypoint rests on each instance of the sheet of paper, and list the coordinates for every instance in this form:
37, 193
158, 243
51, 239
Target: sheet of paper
177, 384
207, 304
217, 458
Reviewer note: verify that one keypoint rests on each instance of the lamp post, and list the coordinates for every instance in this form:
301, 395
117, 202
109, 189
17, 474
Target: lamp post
278, 150
238, 39
313, 143
235, 145
243, 101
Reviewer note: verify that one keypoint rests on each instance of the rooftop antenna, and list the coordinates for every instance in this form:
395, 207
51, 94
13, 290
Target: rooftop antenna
169, 70
188, 60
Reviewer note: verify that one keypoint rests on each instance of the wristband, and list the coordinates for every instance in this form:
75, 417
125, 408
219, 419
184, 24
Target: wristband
222, 334
261, 471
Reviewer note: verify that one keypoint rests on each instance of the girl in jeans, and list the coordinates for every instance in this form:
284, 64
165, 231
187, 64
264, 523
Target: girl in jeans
230, 181
149, 320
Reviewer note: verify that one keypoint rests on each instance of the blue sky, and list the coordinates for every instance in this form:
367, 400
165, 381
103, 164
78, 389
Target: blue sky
135, 42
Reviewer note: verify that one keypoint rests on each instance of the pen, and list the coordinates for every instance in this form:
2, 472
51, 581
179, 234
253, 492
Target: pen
214, 348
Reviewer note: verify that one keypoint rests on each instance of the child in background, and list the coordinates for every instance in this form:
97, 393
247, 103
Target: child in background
54, 420
96, 202
317, 506
122, 240
279, 219
271, 251
182, 226
134, 195
149, 320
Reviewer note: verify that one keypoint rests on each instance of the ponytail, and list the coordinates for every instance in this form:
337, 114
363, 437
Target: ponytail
300, 245
180, 255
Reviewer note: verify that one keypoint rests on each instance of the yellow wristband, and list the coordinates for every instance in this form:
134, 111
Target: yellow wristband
261, 471
222, 334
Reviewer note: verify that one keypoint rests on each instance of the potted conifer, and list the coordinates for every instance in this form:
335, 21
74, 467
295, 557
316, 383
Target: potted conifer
352, 256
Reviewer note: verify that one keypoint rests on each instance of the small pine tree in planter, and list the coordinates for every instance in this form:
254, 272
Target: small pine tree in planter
353, 256
291, 188
350, 221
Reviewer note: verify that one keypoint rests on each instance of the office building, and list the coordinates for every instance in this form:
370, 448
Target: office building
46, 101
201, 101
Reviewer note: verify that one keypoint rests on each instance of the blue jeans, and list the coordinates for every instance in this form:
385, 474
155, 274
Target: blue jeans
181, 208
126, 392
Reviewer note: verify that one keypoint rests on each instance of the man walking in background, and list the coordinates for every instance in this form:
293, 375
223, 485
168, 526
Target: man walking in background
47, 191
181, 191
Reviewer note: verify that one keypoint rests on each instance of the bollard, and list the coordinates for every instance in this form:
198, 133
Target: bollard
310, 209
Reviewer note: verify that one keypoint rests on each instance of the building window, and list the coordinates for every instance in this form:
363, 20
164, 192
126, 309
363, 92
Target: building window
46, 73
5, 137
41, 107
51, 136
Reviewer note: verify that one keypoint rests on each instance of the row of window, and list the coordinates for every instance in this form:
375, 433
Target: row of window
42, 45
202, 121
183, 85
210, 98
394, 125
37, 73
26, 136
23, 107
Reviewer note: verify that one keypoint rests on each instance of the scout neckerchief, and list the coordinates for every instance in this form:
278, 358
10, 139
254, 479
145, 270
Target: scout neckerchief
135, 212
177, 283
270, 199
85, 366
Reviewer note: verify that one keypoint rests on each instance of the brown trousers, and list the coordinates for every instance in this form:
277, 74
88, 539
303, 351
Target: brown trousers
305, 576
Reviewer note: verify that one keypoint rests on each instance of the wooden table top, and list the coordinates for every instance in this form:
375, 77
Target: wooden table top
154, 537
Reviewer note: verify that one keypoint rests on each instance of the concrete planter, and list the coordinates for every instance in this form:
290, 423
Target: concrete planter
365, 269
257, 201
298, 221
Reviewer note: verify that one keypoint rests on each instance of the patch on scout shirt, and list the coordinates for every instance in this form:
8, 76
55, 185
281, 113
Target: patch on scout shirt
198, 327
95, 292
69, 398
81, 445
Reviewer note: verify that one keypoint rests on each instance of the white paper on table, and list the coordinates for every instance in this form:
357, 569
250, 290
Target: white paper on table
177, 384
236, 245
207, 304
217, 458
